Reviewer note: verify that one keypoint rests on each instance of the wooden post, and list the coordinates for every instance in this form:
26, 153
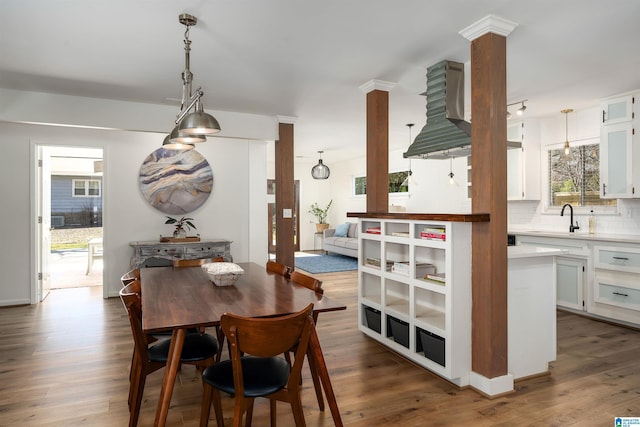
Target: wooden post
489, 340
285, 248
377, 144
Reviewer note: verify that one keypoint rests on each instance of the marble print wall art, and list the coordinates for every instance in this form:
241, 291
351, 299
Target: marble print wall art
176, 181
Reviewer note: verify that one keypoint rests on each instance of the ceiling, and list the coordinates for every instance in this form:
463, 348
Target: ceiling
307, 59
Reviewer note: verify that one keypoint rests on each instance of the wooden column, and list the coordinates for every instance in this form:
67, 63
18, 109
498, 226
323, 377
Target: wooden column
285, 248
489, 195
377, 144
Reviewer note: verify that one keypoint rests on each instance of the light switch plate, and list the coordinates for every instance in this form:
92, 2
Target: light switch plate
287, 213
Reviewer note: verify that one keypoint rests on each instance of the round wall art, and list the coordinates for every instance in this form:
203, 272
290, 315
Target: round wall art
176, 181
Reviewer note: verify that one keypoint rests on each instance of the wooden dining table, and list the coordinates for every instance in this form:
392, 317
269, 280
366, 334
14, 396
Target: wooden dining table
180, 298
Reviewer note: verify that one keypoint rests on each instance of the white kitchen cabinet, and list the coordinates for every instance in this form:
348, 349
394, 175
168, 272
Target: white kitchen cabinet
570, 279
617, 110
523, 164
427, 321
619, 158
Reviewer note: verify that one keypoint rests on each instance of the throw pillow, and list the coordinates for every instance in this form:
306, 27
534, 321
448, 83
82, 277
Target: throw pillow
342, 230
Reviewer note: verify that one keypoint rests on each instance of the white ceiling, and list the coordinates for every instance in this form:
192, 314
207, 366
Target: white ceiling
307, 59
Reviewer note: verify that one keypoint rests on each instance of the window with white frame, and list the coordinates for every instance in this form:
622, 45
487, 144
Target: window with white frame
396, 181
86, 188
575, 178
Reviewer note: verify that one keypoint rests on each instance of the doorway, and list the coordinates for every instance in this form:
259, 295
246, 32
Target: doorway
68, 194
271, 212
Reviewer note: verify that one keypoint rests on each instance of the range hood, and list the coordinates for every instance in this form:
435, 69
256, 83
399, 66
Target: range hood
446, 133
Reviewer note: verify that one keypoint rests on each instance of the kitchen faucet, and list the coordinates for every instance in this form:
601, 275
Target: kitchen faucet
572, 227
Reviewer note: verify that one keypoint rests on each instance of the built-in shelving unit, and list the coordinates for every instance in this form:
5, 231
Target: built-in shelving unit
414, 290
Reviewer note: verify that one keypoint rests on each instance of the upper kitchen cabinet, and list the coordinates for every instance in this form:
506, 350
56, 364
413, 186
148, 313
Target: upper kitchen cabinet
619, 154
523, 164
617, 110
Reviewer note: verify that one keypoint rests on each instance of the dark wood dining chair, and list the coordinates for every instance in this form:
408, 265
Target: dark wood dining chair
195, 262
278, 268
260, 372
198, 349
130, 276
316, 286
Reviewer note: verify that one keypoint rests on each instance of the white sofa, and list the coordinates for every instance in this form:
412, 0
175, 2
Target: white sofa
342, 245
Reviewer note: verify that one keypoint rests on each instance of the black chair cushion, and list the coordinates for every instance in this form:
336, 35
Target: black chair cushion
196, 347
262, 375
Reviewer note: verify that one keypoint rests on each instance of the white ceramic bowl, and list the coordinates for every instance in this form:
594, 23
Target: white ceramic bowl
223, 273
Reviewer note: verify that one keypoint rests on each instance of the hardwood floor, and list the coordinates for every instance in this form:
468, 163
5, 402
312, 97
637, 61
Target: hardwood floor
66, 361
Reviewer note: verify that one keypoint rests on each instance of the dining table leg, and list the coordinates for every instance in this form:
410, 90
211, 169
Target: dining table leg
170, 373
314, 351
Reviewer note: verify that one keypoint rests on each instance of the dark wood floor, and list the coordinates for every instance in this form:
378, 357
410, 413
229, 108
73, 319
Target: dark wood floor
65, 362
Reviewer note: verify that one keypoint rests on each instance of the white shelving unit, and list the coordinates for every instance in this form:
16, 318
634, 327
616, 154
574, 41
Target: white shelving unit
427, 321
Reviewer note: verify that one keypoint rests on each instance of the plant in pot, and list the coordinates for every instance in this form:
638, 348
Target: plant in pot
181, 225
321, 215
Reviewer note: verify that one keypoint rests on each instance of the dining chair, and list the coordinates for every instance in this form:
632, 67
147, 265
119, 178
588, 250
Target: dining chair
177, 262
316, 286
278, 268
198, 349
260, 372
130, 276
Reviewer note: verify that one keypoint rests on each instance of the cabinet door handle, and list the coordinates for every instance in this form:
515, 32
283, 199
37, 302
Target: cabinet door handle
621, 294
604, 189
621, 258
603, 116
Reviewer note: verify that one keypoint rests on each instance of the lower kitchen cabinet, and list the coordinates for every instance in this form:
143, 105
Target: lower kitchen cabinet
570, 277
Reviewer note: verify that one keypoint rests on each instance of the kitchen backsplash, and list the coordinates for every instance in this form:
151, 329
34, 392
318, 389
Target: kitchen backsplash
527, 215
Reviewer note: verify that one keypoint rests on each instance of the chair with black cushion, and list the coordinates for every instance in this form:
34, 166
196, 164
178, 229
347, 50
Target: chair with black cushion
278, 268
260, 372
198, 349
316, 286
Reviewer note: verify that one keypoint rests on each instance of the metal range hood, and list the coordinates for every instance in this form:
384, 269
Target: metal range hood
446, 133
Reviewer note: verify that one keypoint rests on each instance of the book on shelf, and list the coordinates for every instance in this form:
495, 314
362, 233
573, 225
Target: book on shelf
372, 230
375, 263
400, 233
436, 277
422, 268
433, 235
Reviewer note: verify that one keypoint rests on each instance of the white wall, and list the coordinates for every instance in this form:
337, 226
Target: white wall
236, 209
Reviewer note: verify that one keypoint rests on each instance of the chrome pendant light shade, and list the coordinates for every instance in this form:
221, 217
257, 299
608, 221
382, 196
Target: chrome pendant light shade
320, 171
192, 124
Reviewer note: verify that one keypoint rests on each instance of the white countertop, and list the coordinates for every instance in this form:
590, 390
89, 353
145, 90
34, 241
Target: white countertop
604, 237
527, 251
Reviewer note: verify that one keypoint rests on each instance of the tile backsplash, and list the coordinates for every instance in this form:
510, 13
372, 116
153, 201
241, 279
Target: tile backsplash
528, 215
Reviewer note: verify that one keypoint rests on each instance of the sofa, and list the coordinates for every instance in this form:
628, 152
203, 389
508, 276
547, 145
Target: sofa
344, 245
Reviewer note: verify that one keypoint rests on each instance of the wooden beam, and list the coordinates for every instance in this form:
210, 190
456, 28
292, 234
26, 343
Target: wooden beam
285, 247
377, 151
489, 195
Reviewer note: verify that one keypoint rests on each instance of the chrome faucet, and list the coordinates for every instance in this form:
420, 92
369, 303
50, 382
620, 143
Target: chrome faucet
572, 227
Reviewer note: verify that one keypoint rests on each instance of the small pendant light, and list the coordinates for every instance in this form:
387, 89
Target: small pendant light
567, 149
320, 171
409, 180
451, 174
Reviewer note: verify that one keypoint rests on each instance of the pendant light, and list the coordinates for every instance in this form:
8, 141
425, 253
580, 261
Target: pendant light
409, 179
451, 174
567, 149
192, 124
320, 171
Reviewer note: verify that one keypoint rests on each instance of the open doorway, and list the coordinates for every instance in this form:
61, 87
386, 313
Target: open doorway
69, 195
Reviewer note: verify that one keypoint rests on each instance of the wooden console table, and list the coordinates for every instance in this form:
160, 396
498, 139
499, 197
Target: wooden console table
206, 248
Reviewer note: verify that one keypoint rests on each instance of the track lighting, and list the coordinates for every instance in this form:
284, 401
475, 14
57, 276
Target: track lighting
519, 111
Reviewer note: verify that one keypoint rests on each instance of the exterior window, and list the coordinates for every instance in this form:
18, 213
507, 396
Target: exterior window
86, 188
395, 183
575, 178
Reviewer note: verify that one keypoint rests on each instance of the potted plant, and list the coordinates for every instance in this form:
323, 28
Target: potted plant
321, 215
181, 225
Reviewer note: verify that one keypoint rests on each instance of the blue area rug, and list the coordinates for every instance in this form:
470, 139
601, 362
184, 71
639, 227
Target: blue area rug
326, 263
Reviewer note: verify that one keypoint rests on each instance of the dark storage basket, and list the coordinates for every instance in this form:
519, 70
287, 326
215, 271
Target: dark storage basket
373, 319
432, 345
399, 330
